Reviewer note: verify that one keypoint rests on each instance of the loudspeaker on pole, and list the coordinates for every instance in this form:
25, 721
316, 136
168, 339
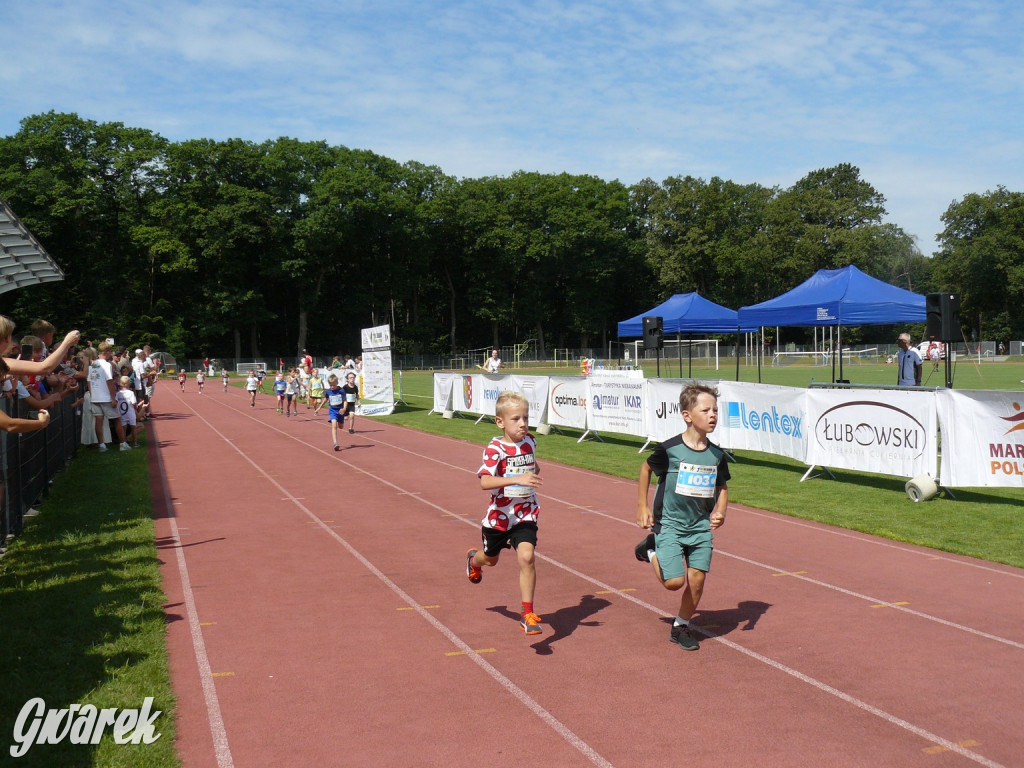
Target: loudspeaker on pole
942, 316
653, 336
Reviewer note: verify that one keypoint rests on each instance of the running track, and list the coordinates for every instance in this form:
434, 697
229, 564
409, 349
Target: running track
319, 615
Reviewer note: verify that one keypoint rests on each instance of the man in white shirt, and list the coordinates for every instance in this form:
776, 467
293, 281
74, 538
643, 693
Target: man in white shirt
103, 391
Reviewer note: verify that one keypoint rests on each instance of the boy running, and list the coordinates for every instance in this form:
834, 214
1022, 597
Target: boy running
351, 400
335, 407
181, 379
251, 383
511, 474
690, 503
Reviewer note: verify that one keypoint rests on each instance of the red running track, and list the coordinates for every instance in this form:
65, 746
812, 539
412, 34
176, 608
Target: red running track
319, 614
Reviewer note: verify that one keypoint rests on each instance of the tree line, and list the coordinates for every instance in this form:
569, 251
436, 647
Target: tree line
242, 249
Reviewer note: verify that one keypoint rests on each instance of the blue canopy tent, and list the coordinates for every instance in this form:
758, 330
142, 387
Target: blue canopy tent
837, 297
686, 313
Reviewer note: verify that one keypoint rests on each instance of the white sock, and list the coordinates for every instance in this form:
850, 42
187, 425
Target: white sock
680, 622
650, 554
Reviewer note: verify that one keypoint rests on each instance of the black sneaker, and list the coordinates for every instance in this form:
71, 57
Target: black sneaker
640, 550
682, 637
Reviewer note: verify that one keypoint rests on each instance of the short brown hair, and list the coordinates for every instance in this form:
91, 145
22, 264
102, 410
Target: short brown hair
688, 397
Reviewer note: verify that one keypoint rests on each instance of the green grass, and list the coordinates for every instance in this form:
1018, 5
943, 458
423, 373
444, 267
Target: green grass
82, 611
984, 523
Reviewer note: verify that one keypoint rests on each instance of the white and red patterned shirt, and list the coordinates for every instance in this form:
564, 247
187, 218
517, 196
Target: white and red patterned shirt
512, 504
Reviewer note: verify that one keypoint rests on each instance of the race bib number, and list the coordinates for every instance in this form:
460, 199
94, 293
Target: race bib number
517, 466
350, 398
696, 480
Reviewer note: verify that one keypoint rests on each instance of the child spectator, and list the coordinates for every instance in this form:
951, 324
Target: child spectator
128, 408
103, 391
511, 473
690, 503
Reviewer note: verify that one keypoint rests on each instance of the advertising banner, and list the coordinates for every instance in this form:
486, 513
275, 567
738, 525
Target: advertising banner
378, 386
443, 391
567, 402
982, 438
616, 405
664, 419
535, 389
884, 431
762, 417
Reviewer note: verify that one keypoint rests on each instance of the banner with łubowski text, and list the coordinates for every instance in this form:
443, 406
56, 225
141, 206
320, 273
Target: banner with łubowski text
377, 378
982, 438
884, 431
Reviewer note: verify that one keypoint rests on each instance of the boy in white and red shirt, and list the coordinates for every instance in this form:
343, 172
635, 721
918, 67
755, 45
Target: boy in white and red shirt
511, 474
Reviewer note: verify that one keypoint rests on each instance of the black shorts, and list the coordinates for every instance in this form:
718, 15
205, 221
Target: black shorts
141, 396
495, 541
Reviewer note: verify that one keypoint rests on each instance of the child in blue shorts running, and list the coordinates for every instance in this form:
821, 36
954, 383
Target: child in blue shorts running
690, 503
336, 406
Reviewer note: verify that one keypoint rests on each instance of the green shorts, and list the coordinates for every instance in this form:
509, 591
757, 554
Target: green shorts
677, 550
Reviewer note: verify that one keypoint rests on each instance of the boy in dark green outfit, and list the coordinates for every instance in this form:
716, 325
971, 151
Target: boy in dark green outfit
690, 503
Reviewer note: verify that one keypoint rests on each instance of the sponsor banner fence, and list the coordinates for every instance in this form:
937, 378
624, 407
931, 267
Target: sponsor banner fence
762, 417
535, 389
664, 419
982, 438
567, 402
443, 391
616, 405
884, 431
378, 382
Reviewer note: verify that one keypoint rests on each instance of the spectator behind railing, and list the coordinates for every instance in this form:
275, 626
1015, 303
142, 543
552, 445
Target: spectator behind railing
21, 426
30, 367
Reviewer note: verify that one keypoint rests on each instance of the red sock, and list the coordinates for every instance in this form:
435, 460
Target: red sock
527, 608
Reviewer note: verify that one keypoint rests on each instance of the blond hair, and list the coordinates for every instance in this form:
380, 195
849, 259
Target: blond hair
509, 398
7, 327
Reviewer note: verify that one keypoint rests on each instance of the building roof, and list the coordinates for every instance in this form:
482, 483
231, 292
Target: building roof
23, 260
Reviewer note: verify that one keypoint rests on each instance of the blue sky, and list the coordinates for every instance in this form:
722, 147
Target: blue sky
926, 98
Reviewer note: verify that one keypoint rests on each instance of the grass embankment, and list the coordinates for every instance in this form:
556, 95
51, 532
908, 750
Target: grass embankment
82, 611
983, 523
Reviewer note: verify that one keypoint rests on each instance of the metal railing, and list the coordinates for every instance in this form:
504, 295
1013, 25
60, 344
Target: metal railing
31, 461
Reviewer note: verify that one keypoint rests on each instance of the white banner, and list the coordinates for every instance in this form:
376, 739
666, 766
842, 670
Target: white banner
982, 438
467, 393
664, 419
616, 405
884, 431
567, 402
762, 417
378, 386
535, 390
443, 391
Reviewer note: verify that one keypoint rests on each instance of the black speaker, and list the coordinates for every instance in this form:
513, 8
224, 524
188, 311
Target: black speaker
653, 338
942, 316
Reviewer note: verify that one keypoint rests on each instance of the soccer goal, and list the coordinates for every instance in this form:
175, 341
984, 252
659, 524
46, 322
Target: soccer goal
250, 367
801, 358
701, 351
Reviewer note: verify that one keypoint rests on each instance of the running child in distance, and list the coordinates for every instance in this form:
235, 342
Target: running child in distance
280, 385
181, 379
690, 503
352, 398
251, 384
224, 378
335, 407
200, 380
511, 473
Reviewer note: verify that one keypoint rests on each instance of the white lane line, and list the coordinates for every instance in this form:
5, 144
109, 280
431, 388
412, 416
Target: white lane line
534, 706
888, 717
221, 749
